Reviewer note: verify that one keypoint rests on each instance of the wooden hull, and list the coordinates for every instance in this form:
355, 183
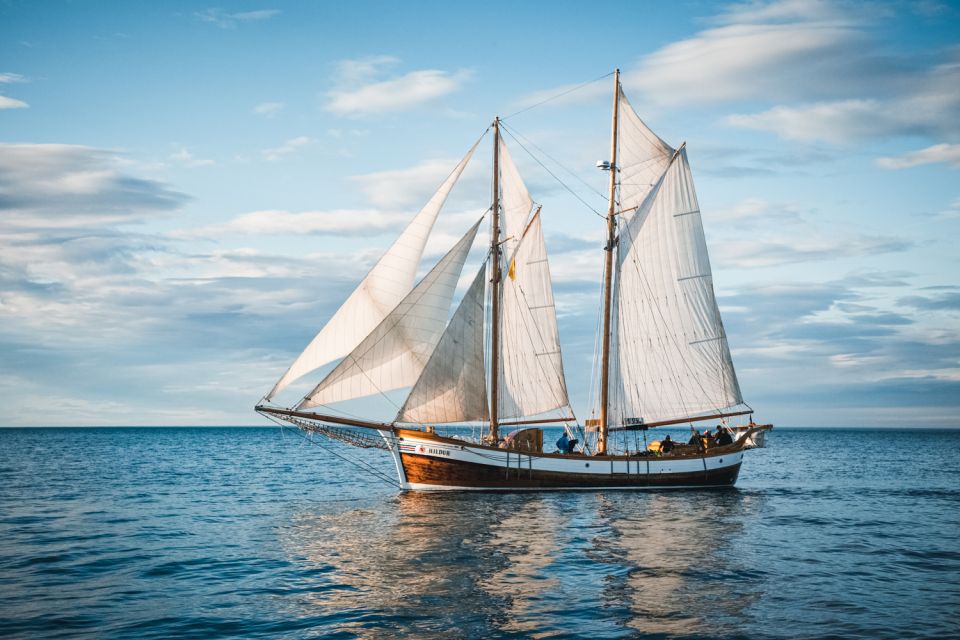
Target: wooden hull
424, 473
432, 464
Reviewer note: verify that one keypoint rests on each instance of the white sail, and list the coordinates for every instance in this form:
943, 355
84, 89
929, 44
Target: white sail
452, 387
642, 158
531, 367
393, 355
385, 285
671, 353
515, 202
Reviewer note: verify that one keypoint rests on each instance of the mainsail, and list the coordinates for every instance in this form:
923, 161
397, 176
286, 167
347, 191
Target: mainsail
531, 380
394, 354
452, 387
671, 354
385, 285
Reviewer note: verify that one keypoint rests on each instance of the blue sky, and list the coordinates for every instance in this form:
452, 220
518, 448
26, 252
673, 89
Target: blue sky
188, 191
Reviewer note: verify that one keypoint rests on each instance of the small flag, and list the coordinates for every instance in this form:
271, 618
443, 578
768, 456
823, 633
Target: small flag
513, 269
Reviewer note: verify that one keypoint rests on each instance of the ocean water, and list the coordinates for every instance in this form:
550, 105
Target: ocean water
225, 533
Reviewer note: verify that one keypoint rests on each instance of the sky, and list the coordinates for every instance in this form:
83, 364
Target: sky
188, 191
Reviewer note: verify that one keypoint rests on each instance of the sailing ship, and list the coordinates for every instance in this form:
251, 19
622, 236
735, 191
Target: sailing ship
496, 365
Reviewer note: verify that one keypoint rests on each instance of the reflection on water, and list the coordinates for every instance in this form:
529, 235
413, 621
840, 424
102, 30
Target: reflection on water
531, 564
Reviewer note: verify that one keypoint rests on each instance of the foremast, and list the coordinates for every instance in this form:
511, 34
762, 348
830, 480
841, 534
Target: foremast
608, 275
494, 434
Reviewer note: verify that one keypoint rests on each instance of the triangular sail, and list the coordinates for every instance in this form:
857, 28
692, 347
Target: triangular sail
394, 354
643, 157
452, 387
671, 357
385, 285
531, 379
515, 202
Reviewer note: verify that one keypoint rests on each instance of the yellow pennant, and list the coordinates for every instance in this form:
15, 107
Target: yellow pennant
513, 269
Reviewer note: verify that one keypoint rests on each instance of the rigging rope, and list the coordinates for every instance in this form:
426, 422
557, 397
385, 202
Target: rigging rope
559, 95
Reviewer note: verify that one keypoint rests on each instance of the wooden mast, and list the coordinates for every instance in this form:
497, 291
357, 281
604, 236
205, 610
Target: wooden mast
495, 283
608, 275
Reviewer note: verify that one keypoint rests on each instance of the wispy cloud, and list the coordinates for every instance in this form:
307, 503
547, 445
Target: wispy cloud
946, 153
187, 159
287, 148
351, 222
268, 109
225, 20
12, 103
392, 94
8, 78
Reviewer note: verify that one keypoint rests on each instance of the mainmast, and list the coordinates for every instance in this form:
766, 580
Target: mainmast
495, 288
608, 275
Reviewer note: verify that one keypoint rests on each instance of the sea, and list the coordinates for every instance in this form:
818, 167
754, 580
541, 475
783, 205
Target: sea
261, 533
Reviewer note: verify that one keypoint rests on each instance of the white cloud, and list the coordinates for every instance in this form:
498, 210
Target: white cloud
12, 103
395, 94
184, 157
268, 109
946, 153
288, 147
7, 78
363, 69
737, 61
830, 121
225, 20
398, 188
275, 222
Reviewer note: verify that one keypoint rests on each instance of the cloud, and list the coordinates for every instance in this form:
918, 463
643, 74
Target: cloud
12, 103
946, 153
287, 148
398, 188
342, 222
818, 71
225, 20
773, 251
268, 109
184, 157
948, 301
7, 78
394, 94
57, 185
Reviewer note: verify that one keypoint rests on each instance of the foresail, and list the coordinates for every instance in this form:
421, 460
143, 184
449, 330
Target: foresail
394, 354
380, 291
452, 387
672, 358
531, 366
643, 157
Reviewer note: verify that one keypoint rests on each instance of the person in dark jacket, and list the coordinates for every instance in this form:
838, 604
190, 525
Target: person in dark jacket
723, 436
666, 445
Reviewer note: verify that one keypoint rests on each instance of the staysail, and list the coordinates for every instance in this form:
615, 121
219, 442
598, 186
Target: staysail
452, 387
380, 291
394, 354
515, 202
671, 354
531, 380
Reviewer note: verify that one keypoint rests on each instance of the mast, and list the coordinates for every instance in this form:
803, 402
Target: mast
608, 275
495, 284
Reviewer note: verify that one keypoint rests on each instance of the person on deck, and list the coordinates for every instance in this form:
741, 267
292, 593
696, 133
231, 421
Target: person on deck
563, 443
723, 436
666, 445
708, 439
